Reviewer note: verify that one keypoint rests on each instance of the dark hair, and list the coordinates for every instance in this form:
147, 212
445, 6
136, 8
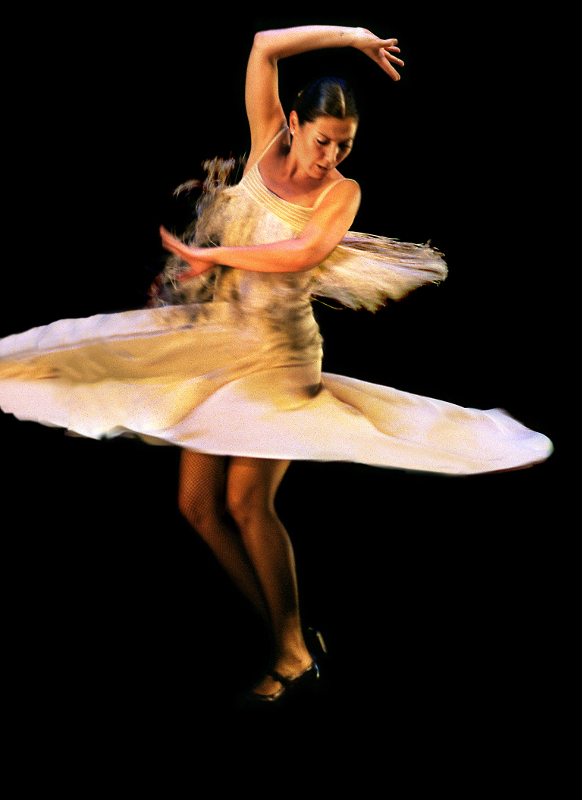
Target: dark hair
326, 97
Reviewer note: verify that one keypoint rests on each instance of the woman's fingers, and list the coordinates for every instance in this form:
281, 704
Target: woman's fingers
196, 268
171, 242
388, 68
184, 276
178, 248
383, 51
166, 235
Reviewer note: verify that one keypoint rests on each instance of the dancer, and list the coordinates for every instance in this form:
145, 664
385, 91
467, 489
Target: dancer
226, 361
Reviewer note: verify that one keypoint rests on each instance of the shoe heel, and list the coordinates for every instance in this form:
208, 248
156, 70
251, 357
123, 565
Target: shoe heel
315, 642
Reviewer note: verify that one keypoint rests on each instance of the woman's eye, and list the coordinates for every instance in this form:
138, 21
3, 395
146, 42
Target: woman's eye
320, 142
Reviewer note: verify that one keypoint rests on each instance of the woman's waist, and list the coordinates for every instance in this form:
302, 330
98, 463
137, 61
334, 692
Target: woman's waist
296, 337
277, 294
279, 335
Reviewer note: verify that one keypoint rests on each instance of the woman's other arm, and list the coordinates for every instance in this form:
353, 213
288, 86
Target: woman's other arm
325, 230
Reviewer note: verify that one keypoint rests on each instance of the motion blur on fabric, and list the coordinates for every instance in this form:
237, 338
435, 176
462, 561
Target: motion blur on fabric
225, 361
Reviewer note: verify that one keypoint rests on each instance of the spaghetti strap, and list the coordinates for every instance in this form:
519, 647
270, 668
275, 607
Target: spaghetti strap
271, 143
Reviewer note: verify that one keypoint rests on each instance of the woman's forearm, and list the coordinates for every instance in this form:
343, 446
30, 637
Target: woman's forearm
279, 44
292, 255
292, 41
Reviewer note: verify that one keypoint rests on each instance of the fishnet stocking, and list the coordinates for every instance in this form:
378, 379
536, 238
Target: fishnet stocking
202, 501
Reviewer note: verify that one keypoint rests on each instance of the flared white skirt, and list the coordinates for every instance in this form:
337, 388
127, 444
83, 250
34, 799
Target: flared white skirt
209, 386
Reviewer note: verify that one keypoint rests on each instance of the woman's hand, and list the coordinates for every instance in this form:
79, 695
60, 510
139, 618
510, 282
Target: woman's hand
188, 254
379, 50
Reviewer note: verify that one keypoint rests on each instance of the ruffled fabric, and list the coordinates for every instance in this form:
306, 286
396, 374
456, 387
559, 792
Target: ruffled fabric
363, 272
366, 271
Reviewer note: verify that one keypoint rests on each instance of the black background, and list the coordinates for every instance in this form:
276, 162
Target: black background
443, 599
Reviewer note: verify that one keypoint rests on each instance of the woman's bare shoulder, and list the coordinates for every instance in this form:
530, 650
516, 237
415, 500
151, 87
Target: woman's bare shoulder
341, 189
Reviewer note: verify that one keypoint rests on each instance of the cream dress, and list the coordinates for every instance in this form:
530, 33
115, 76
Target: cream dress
230, 363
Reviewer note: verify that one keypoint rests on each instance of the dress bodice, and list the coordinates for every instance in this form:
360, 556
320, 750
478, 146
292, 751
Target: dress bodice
250, 214
362, 272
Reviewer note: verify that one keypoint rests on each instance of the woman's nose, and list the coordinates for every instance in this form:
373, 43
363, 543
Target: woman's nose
331, 155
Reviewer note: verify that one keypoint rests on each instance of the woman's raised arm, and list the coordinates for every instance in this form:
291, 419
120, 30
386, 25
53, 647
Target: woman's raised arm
264, 109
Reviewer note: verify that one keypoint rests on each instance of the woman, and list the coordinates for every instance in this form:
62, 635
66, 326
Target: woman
227, 364
299, 167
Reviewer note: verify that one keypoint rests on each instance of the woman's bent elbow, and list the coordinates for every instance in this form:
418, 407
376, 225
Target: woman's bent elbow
312, 255
263, 40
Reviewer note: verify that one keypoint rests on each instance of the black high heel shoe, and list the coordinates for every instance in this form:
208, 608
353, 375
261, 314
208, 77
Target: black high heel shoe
303, 683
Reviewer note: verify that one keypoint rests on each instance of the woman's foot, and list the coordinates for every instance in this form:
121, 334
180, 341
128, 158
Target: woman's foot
286, 674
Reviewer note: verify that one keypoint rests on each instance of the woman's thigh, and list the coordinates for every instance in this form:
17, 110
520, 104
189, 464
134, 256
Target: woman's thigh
202, 484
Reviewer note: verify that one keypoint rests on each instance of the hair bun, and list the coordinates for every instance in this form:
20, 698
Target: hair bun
326, 97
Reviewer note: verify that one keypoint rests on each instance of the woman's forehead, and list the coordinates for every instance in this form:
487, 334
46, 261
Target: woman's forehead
333, 128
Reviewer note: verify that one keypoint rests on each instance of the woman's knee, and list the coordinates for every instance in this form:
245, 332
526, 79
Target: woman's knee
246, 503
251, 488
250, 496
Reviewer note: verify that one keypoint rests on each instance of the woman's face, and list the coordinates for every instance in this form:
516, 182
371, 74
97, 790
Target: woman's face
322, 144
